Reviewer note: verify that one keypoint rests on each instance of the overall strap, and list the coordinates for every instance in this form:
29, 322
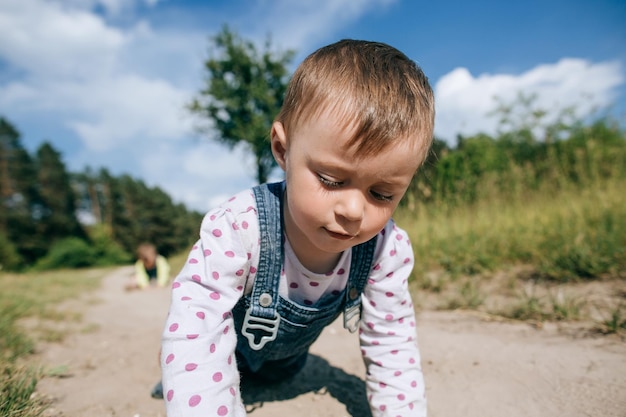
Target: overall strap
360, 267
262, 314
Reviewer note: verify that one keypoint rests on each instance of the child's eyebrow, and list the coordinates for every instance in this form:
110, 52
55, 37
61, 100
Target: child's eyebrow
326, 164
333, 167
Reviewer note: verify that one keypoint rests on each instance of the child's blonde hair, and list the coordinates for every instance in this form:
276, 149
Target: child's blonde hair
372, 87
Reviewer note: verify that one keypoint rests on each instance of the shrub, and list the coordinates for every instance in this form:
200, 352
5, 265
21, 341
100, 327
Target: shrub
107, 251
9, 258
71, 252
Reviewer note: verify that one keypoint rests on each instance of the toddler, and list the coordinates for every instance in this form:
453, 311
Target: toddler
151, 268
277, 263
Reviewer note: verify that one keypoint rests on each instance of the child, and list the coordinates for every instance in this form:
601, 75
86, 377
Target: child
276, 264
151, 269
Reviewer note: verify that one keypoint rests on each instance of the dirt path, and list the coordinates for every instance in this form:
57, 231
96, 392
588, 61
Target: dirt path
472, 367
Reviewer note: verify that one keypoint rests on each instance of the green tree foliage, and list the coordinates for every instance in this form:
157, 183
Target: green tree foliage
128, 212
73, 252
9, 258
148, 214
18, 193
546, 195
243, 93
527, 155
57, 212
50, 218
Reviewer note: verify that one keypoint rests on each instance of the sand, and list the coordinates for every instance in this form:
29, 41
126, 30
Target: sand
474, 367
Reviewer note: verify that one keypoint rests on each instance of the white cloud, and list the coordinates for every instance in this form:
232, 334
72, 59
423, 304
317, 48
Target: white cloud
200, 173
48, 41
69, 59
122, 90
128, 108
464, 101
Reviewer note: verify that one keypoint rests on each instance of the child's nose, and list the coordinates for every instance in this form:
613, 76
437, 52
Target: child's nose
351, 205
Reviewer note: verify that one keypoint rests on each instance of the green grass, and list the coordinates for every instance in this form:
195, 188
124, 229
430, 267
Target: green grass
17, 385
616, 322
36, 296
568, 236
533, 307
33, 295
487, 255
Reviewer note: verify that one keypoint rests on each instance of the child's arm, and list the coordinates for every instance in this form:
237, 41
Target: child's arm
141, 277
388, 337
199, 369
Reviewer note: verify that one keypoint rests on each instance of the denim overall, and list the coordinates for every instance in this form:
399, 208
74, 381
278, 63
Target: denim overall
274, 334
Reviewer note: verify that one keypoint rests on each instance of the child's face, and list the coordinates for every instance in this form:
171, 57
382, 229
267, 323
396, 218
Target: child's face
335, 200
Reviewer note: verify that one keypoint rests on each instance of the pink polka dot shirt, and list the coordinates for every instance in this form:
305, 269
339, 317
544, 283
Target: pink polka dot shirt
200, 376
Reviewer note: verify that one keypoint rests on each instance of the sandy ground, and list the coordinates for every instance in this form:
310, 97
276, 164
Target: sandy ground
473, 367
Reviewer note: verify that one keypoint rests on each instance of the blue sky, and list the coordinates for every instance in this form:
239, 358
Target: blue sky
106, 81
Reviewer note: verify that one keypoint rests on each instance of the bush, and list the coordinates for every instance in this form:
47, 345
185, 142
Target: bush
71, 252
74, 252
107, 251
9, 258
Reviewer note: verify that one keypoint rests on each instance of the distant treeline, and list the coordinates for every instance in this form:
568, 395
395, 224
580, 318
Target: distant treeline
519, 162
549, 200
51, 218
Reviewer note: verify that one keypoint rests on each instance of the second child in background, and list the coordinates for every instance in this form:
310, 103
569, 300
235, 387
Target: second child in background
151, 269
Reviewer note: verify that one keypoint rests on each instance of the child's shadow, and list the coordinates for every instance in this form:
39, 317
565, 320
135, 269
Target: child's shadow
317, 376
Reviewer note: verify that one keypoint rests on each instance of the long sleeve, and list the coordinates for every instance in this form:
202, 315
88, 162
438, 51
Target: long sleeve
163, 271
394, 381
200, 376
141, 276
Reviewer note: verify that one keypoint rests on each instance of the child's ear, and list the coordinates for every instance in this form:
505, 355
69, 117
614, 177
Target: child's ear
279, 144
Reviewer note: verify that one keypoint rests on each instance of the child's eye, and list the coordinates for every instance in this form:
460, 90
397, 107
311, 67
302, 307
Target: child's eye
381, 197
329, 183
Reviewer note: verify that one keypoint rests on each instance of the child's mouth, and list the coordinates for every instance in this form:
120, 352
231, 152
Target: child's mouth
340, 236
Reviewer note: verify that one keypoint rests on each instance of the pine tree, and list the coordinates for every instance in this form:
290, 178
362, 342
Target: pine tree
57, 210
18, 194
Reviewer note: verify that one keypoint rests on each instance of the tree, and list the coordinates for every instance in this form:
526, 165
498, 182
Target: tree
126, 211
89, 200
522, 120
57, 217
18, 193
243, 93
51, 218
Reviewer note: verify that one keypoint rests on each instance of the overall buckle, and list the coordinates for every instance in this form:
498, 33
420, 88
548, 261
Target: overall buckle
352, 318
269, 326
